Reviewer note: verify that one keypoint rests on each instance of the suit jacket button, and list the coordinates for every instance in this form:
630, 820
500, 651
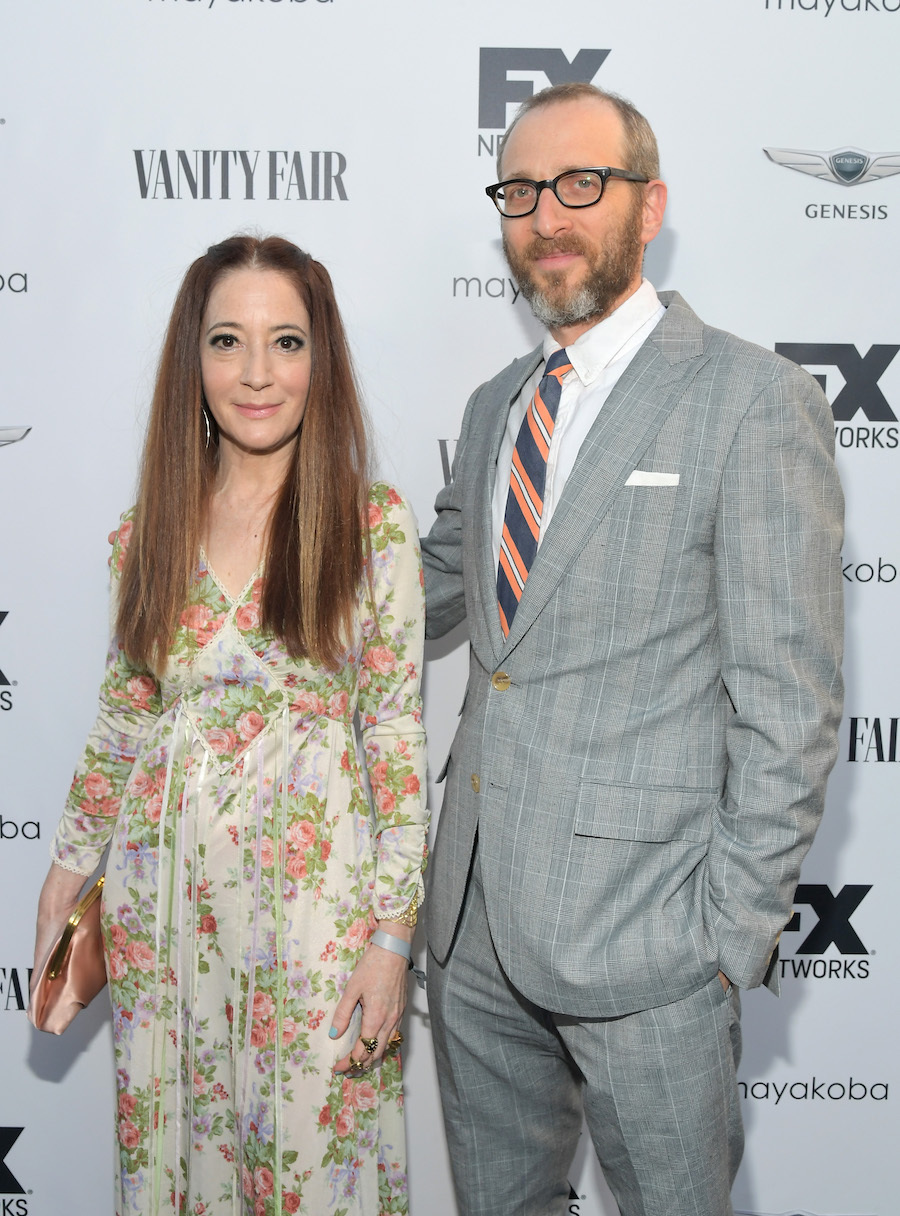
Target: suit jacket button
476, 782
500, 681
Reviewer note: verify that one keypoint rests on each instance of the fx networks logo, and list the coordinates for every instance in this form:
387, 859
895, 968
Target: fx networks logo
831, 927
844, 167
218, 173
861, 391
509, 75
9, 1183
574, 1208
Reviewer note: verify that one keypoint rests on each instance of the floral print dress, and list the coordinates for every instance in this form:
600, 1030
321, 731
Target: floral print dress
248, 864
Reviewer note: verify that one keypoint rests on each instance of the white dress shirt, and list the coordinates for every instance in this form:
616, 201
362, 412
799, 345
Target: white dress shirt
598, 358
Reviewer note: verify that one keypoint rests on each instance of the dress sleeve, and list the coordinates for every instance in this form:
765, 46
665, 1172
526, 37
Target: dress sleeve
130, 703
390, 705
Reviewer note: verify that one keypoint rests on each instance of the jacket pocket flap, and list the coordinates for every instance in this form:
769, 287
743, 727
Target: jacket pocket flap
654, 813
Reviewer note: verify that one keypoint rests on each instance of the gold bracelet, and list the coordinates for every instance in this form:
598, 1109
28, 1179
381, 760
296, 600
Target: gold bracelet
409, 916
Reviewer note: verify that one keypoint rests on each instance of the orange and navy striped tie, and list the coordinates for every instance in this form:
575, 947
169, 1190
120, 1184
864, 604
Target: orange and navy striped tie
525, 502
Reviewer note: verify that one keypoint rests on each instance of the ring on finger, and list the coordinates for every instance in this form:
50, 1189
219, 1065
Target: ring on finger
369, 1044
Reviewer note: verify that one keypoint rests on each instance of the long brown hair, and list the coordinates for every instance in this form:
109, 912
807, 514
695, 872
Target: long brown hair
316, 543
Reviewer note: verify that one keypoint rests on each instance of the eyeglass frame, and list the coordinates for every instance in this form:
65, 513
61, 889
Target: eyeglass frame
550, 183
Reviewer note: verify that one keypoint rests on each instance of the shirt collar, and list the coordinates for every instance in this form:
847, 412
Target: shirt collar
612, 337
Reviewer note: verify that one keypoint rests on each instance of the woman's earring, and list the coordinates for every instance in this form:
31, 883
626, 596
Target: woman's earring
205, 413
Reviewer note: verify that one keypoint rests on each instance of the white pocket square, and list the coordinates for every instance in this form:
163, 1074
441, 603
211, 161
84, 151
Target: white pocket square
640, 477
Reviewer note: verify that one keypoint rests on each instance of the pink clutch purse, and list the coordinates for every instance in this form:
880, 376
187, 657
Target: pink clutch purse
74, 971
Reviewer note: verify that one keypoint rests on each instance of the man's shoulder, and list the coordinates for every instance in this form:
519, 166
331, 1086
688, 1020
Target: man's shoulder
681, 328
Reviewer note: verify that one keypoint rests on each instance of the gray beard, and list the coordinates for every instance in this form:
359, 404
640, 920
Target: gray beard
581, 306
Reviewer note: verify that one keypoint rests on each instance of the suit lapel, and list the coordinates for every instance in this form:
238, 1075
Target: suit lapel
636, 409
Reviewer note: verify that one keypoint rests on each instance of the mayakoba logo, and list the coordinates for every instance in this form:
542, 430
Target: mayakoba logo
843, 166
814, 1090
826, 7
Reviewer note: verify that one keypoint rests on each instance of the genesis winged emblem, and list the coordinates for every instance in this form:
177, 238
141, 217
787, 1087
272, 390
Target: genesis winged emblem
846, 166
12, 434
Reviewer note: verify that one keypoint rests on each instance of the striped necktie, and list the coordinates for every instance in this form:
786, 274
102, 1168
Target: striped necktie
525, 501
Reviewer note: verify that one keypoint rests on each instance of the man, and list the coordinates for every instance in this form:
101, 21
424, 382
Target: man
647, 555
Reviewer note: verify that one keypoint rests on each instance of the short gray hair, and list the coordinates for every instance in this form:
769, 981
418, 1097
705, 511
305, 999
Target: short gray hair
641, 151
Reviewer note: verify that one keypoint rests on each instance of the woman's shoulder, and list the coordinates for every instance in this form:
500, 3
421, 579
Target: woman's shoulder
119, 538
388, 503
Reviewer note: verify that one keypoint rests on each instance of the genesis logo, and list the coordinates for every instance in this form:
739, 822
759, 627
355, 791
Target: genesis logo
845, 166
12, 434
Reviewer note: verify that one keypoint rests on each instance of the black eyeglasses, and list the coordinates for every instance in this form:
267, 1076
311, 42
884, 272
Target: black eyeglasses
574, 188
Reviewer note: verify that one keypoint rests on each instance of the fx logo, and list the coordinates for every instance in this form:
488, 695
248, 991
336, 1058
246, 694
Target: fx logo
861, 373
496, 90
9, 1183
834, 912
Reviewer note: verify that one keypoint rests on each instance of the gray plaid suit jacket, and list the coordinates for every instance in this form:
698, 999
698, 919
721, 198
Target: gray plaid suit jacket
644, 758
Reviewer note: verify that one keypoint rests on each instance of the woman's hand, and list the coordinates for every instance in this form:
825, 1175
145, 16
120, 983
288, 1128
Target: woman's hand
378, 986
59, 896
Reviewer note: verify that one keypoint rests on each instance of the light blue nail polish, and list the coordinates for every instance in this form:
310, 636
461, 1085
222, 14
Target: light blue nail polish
332, 1034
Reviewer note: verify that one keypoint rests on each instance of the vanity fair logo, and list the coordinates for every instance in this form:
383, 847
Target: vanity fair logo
14, 986
509, 75
873, 741
221, 173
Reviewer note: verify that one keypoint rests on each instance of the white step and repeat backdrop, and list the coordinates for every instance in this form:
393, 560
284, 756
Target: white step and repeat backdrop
133, 133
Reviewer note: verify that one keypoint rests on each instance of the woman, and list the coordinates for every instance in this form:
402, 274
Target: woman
266, 594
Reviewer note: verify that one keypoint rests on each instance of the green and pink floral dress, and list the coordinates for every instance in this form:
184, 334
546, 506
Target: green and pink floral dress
247, 867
